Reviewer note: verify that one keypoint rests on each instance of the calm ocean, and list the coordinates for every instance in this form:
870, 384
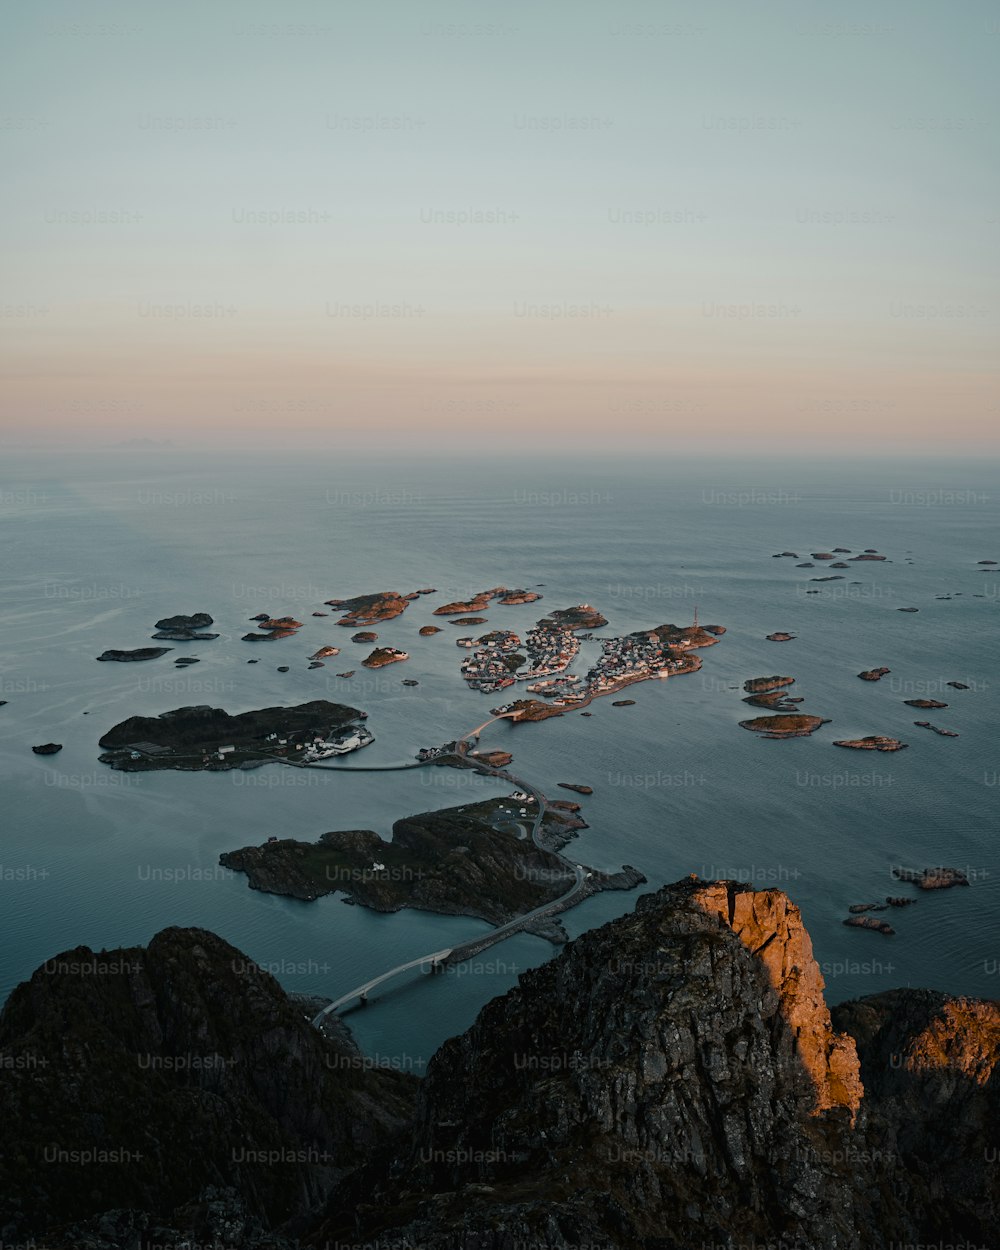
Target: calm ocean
97, 546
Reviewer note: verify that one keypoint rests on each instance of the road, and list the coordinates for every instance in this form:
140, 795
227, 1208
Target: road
465, 950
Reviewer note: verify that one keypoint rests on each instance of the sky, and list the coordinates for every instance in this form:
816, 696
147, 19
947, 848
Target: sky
650, 225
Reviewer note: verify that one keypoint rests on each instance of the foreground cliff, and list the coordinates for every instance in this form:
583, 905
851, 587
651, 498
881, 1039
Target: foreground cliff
673, 1080
179, 1081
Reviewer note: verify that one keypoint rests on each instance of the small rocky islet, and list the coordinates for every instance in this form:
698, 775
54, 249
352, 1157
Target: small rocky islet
182, 628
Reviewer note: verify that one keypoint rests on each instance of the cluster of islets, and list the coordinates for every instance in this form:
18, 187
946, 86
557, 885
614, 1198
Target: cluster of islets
927, 879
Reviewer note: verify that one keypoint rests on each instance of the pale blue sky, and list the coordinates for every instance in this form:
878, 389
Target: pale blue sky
739, 135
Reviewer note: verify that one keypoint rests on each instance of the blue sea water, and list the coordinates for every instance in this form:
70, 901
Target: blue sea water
98, 546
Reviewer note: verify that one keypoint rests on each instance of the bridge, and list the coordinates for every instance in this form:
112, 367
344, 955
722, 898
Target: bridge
464, 950
362, 991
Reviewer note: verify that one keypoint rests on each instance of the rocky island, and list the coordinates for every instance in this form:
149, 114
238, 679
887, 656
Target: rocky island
184, 628
383, 605
767, 692
873, 742
202, 737
945, 733
462, 861
785, 725
780, 636
140, 653
382, 656
932, 878
272, 628
874, 674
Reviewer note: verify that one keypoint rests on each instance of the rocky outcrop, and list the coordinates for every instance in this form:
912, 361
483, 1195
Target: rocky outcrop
932, 878
696, 1089
383, 605
785, 725
874, 674
698, 1094
184, 628
140, 653
929, 1064
382, 656
47, 748
873, 742
143, 1075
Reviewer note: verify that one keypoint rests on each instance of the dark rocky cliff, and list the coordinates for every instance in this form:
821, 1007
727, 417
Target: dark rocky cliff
672, 1081
135, 1078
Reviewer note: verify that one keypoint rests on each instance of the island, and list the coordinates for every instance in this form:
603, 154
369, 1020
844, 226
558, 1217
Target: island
873, 742
383, 605
270, 628
184, 628
945, 733
925, 703
583, 616
797, 725
869, 922
767, 692
527, 710
324, 652
501, 659
477, 603
428, 631
512, 598
364, 635
868, 555
140, 653
957, 685
47, 748
932, 878
874, 674
203, 737
462, 861
780, 636
382, 656
569, 785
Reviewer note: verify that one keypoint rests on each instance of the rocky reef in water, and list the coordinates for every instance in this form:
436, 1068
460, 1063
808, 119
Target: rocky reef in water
673, 1079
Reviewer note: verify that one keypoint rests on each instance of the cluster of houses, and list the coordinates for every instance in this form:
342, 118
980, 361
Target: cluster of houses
632, 658
550, 649
352, 740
